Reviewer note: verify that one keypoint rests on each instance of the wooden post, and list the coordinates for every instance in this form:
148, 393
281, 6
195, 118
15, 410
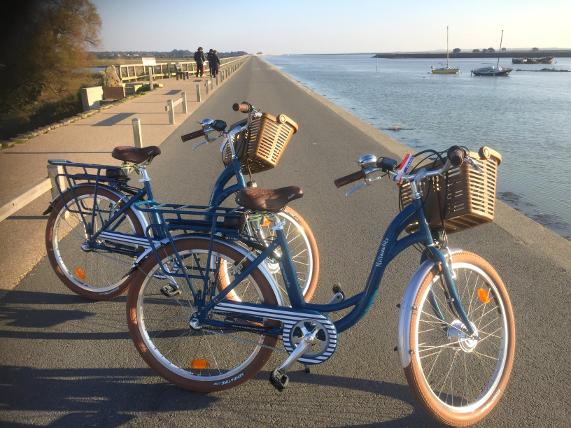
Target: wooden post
217, 82
184, 106
206, 87
150, 78
170, 107
198, 96
137, 133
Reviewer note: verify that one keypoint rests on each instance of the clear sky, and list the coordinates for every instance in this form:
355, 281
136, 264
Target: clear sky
334, 26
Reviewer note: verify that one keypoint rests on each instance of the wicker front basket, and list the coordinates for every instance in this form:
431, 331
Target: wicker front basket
462, 199
264, 144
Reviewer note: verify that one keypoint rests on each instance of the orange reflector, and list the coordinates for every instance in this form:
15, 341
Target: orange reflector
266, 222
199, 363
80, 273
484, 295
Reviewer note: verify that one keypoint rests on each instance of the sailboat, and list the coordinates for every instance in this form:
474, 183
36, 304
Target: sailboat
491, 70
447, 69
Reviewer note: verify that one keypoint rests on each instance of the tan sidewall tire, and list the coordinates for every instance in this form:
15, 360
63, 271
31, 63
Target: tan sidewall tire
414, 374
84, 190
314, 251
192, 385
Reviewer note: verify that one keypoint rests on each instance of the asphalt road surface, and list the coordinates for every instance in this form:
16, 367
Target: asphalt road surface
68, 362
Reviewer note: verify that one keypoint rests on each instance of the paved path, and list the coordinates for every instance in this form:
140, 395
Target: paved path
67, 362
87, 140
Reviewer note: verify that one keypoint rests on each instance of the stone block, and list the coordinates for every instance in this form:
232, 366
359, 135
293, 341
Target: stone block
90, 97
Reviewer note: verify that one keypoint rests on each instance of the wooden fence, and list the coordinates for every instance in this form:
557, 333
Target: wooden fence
129, 72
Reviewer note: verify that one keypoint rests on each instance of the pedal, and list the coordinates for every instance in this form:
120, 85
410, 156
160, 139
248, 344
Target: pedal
170, 290
279, 379
338, 295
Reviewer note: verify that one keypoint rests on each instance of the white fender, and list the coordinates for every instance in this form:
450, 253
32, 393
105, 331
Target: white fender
236, 247
406, 308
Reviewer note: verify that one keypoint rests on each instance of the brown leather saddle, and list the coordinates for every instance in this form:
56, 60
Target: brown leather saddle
135, 154
271, 200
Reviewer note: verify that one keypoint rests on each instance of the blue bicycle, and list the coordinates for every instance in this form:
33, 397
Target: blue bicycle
94, 237
456, 335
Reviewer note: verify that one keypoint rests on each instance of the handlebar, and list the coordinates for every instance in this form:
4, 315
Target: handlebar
456, 156
348, 179
244, 107
192, 135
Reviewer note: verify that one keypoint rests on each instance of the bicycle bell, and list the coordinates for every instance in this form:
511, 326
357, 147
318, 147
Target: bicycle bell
367, 161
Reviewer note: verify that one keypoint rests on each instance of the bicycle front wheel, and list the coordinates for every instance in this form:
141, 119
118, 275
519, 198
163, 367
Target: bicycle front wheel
159, 311
460, 378
96, 274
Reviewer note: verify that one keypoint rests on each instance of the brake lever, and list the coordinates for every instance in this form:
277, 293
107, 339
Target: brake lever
473, 164
356, 187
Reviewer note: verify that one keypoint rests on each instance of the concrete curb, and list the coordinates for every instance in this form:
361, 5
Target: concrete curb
522, 228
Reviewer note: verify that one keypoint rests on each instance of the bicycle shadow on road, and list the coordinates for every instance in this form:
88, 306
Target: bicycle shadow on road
88, 397
388, 389
21, 311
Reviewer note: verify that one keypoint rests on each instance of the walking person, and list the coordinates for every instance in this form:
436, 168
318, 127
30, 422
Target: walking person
199, 59
213, 62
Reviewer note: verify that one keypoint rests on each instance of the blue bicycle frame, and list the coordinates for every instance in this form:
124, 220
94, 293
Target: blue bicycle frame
220, 192
389, 248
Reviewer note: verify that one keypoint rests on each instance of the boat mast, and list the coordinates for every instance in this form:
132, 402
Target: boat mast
501, 40
447, 46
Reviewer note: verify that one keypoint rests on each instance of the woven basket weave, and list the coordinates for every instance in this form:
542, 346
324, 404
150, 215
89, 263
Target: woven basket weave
461, 199
264, 143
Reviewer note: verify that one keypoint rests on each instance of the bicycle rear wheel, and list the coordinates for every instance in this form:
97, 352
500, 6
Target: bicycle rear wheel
91, 273
302, 247
457, 378
197, 358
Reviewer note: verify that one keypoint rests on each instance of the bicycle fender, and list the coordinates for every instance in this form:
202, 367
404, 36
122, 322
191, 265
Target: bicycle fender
406, 308
245, 253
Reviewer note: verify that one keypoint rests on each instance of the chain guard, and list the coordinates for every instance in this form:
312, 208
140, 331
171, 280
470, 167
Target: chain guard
291, 319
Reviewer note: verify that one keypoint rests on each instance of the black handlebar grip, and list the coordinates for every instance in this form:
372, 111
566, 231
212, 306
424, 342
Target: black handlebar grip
387, 164
343, 181
192, 135
456, 155
243, 107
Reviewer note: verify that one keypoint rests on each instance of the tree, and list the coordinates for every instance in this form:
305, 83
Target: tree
535, 49
491, 50
504, 49
45, 45
476, 50
456, 50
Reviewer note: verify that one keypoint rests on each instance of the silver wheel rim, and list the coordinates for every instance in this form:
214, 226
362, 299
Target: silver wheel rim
492, 383
164, 360
67, 271
301, 232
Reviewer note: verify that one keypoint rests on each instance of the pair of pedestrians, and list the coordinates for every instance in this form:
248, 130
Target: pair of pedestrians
213, 62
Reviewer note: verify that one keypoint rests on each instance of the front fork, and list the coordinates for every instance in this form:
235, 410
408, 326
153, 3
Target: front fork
455, 302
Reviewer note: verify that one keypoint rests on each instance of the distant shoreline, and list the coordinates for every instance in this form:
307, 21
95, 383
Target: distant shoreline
561, 53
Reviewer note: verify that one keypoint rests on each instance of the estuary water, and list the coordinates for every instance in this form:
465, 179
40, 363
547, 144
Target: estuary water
526, 117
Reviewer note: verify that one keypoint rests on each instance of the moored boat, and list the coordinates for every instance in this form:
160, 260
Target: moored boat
447, 69
493, 71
